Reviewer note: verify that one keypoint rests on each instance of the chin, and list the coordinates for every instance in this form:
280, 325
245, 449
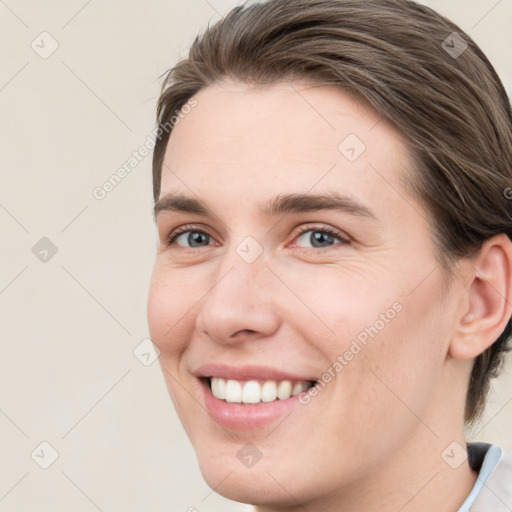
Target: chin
272, 481
252, 486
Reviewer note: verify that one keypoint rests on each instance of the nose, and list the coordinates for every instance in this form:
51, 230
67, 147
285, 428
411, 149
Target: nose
240, 304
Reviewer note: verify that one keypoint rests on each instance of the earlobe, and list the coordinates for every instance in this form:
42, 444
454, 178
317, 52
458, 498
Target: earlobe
489, 299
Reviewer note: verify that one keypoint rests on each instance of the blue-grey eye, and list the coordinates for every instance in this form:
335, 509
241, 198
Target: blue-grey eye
318, 238
194, 239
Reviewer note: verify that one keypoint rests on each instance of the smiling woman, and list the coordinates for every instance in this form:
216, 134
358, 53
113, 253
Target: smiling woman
332, 217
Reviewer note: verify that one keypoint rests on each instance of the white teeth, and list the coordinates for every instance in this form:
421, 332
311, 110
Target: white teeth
284, 390
219, 388
252, 392
233, 391
269, 391
299, 387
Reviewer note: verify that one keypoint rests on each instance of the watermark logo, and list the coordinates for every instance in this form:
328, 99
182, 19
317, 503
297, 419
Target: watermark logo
352, 147
44, 250
249, 249
454, 45
146, 352
454, 455
249, 455
44, 455
45, 45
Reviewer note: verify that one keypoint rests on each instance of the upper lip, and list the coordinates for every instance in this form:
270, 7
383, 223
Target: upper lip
248, 372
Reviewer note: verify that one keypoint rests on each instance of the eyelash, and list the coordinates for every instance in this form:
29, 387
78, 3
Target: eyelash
325, 229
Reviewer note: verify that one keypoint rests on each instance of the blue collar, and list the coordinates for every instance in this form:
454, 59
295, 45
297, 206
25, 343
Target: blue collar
482, 458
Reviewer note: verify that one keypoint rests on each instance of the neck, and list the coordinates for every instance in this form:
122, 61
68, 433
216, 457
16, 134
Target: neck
421, 477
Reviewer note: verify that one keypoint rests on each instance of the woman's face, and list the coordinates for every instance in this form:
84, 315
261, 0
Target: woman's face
266, 292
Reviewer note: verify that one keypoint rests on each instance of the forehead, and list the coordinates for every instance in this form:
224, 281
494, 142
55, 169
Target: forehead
288, 137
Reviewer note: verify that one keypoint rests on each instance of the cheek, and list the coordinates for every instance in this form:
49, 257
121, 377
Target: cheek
169, 327
339, 304
396, 375
169, 304
392, 342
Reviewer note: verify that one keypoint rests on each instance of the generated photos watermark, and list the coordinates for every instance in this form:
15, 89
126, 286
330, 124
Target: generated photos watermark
101, 191
356, 346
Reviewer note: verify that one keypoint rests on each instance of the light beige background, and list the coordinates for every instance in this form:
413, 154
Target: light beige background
69, 326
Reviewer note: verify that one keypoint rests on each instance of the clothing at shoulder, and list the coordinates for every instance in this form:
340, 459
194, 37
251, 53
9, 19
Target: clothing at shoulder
492, 491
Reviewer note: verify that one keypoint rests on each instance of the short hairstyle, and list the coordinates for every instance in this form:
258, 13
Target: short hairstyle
413, 66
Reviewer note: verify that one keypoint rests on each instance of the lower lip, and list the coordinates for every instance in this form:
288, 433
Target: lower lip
246, 416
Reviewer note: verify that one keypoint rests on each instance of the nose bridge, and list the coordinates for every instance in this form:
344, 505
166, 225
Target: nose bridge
240, 298
243, 269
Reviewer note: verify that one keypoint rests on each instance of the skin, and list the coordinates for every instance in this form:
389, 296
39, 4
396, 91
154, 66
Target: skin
373, 437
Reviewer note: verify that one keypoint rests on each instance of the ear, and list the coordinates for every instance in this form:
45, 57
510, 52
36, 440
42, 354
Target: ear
489, 299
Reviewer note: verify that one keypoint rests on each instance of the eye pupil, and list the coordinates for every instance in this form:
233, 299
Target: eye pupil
321, 237
196, 237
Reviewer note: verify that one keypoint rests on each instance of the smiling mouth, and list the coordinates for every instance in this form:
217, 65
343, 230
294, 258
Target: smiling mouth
255, 391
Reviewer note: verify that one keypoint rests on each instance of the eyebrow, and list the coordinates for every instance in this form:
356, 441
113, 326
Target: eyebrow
280, 204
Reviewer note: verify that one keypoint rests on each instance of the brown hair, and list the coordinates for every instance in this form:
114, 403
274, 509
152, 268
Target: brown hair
413, 66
